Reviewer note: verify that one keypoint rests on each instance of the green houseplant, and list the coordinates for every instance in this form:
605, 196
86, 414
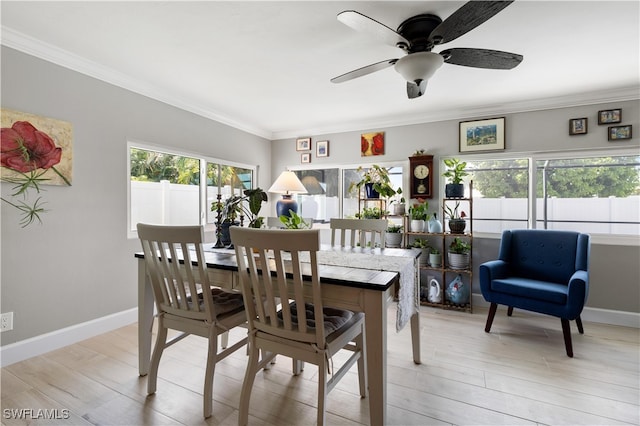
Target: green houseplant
418, 214
435, 257
458, 254
371, 213
294, 221
457, 224
423, 245
375, 181
393, 236
456, 171
248, 204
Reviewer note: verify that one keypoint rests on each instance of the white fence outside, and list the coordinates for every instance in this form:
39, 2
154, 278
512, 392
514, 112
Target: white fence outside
166, 203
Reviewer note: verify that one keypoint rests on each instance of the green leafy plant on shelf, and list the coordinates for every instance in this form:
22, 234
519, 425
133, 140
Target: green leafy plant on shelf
459, 246
371, 213
419, 210
379, 178
456, 170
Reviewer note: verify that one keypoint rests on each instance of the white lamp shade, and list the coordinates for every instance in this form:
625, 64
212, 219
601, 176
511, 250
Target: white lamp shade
418, 66
288, 183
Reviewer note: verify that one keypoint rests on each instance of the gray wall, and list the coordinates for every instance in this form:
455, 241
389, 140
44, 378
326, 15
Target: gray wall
615, 269
78, 265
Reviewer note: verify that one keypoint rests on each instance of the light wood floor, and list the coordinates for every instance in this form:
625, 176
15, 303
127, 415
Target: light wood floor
518, 374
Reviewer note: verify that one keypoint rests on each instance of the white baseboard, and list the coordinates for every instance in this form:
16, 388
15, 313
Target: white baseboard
604, 316
38, 345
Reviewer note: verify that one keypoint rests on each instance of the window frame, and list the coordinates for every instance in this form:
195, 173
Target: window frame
204, 161
533, 157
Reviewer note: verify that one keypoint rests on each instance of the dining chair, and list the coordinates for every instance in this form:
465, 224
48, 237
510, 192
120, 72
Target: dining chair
185, 299
280, 268
362, 232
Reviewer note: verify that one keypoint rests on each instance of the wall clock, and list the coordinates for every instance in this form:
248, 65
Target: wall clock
421, 176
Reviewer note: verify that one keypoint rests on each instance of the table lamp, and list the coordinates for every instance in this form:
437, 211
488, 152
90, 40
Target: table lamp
287, 184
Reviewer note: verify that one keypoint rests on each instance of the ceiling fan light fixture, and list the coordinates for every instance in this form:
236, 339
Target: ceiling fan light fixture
419, 66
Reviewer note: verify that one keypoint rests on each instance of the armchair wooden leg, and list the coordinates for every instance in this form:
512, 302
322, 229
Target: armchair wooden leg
510, 311
566, 331
579, 324
492, 313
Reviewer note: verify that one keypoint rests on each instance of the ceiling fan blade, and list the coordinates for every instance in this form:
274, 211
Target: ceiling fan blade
364, 71
463, 20
482, 58
363, 23
415, 91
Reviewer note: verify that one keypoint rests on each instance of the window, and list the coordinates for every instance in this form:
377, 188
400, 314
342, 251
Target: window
169, 187
328, 191
500, 194
597, 195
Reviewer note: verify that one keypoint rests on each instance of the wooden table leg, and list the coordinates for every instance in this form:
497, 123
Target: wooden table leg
376, 335
145, 319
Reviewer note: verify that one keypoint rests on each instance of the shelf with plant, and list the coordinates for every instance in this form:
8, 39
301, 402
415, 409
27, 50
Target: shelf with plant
377, 178
455, 173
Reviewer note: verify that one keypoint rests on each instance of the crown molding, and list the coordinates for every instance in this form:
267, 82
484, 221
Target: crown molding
32, 46
50, 53
458, 114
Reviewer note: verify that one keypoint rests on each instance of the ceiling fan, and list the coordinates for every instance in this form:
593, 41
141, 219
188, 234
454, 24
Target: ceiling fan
418, 35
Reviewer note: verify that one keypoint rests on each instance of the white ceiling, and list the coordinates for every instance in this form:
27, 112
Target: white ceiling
264, 67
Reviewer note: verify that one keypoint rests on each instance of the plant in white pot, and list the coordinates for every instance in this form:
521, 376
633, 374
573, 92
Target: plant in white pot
393, 236
459, 254
418, 214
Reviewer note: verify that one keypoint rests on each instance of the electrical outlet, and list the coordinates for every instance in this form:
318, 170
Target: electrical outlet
6, 321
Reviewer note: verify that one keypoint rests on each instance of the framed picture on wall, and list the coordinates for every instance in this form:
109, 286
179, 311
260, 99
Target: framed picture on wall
482, 135
305, 158
322, 149
617, 133
303, 144
610, 116
578, 126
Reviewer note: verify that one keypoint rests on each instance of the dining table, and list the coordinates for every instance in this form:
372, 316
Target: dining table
360, 279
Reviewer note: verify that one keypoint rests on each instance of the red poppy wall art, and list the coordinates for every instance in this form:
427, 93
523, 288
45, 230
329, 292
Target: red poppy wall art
30, 143
372, 144
34, 151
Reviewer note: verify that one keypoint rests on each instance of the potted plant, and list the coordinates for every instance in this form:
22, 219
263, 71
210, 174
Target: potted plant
371, 213
456, 170
457, 223
393, 236
435, 257
418, 214
458, 254
399, 206
249, 205
294, 221
228, 212
423, 245
376, 182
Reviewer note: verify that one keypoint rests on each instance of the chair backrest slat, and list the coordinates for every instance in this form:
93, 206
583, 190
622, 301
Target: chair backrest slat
181, 289
368, 232
273, 265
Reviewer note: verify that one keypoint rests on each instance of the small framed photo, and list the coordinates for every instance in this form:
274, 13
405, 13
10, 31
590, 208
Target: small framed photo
305, 158
617, 133
322, 149
578, 126
482, 135
610, 116
303, 144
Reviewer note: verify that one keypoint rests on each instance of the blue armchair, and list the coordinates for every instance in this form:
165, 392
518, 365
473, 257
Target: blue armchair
541, 271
